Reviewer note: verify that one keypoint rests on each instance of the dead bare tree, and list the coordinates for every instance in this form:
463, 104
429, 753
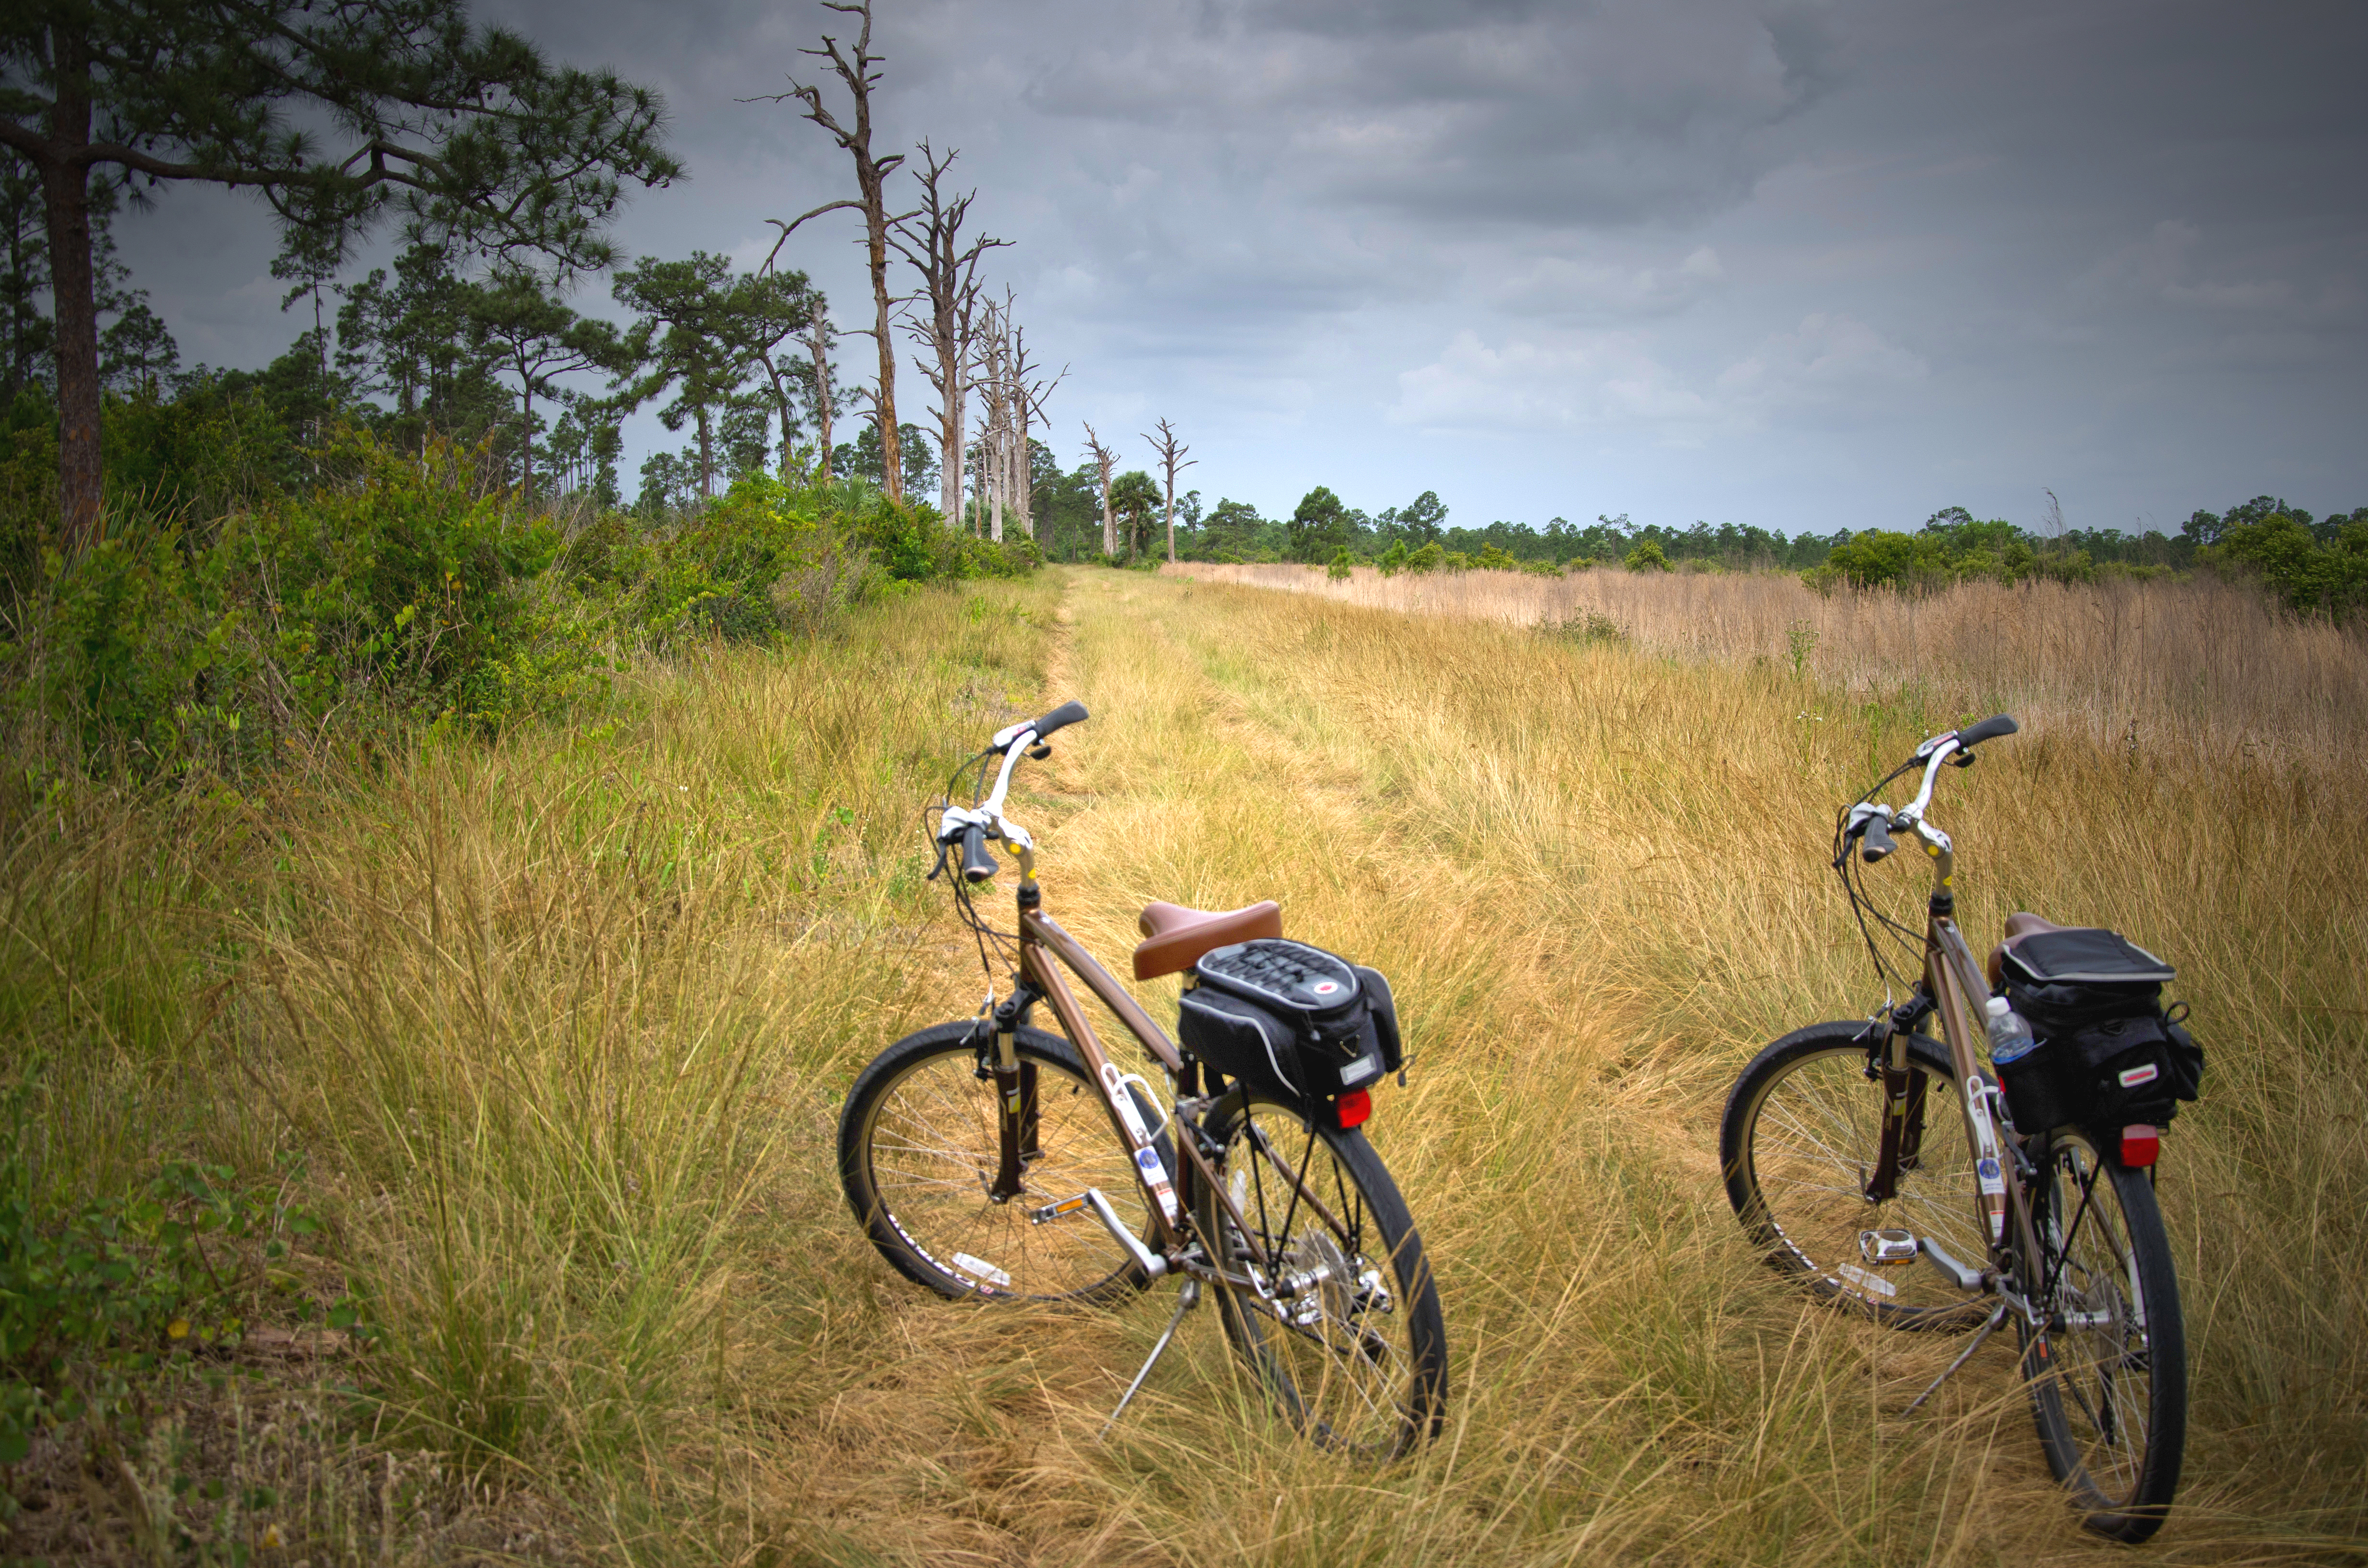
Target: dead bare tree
929, 239
1171, 459
1028, 397
860, 74
1103, 459
994, 417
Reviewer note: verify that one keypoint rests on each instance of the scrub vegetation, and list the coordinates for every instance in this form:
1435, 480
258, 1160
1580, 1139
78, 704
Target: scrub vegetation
461, 1101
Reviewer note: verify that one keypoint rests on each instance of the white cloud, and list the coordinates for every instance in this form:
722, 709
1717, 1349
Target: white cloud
1559, 287
1831, 362
1599, 379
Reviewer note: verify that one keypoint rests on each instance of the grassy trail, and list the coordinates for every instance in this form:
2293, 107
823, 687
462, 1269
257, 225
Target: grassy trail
1596, 881
562, 1026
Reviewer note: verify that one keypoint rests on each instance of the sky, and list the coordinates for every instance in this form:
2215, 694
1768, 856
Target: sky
1805, 265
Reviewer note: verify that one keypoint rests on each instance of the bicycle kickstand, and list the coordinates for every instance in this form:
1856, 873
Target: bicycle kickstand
1187, 1297
1997, 1317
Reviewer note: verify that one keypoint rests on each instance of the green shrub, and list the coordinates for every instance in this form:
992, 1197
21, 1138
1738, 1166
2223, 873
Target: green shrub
398, 587
1429, 558
1647, 556
124, 1281
1392, 560
2312, 578
1342, 564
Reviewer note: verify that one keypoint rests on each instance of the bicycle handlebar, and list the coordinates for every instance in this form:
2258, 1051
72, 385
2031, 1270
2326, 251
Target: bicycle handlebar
977, 865
1871, 824
1061, 718
1988, 729
1875, 840
969, 825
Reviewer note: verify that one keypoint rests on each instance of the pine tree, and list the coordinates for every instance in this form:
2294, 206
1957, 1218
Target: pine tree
470, 135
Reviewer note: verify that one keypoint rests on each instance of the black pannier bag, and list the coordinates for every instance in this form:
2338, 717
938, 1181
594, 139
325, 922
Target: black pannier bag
1284, 1017
2107, 1055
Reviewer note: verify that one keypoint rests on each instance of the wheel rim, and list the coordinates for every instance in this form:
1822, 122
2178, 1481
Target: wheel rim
2093, 1366
932, 1154
1331, 1334
1815, 1131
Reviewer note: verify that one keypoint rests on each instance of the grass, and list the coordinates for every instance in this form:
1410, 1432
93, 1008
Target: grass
2162, 661
558, 1027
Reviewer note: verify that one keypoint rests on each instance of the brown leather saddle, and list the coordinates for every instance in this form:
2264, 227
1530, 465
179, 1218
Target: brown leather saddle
1174, 937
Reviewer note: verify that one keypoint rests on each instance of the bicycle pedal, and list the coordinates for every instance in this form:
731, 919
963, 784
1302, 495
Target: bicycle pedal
1886, 1249
1052, 1212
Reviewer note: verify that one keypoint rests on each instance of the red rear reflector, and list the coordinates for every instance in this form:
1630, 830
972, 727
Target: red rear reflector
1355, 1107
2141, 1145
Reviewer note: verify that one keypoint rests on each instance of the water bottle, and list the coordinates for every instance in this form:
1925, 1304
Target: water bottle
2010, 1036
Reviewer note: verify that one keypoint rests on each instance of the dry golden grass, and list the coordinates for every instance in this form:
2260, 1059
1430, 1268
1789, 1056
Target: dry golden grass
2170, 662
562, 1022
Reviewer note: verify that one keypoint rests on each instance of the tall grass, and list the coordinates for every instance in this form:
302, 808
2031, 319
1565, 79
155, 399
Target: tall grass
2192, 660
561, 1024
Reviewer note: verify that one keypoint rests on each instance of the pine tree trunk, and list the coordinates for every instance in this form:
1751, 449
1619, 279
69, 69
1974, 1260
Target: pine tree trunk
65, 188
875, 214
818, 342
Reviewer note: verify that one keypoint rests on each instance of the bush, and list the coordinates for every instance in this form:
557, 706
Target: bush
2312, 578
1392, 560
1647, 557
1343, 564
1429, 558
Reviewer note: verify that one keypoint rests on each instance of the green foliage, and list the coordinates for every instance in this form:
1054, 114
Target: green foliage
2312, 577
1135, 502
1593, 627
405, 590
1492, 558
109, 1286
1392, 560
1318, 526
1646, 557
1429, 558
1342, 564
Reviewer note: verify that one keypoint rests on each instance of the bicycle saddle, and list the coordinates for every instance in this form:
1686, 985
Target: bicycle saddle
1177, 936
2018, 927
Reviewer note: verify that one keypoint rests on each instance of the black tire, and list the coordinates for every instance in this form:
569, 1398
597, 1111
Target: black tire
917, 1154
1357, 1360
2108, 1374
1797, 1143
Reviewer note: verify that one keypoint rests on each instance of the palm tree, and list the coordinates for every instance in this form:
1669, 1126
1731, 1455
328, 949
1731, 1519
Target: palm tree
1134, 497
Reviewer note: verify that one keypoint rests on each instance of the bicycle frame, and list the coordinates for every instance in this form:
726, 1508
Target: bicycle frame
1953, 985
1045, 950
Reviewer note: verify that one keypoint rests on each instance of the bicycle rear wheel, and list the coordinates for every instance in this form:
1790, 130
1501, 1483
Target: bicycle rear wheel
1798, 1142
1327, 1296
2108, 1372
919, 1151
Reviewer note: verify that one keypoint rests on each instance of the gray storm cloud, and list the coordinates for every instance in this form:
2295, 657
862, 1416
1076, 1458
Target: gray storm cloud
1805, 265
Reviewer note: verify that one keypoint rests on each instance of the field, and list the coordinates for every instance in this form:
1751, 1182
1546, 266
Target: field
551, 1030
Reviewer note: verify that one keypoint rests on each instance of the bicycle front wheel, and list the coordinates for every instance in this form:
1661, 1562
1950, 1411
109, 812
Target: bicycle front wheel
919, 1150
2108, 1369
1324, 1292
1799, 1137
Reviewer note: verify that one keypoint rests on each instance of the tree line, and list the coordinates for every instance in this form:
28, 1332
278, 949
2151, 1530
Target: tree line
2314, 564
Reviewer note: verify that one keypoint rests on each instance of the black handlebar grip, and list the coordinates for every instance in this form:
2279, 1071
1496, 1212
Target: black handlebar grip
1059, 718
1988, 729
977, 865
1877, 843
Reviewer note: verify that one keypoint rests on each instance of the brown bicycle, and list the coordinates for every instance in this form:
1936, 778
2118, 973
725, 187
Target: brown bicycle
1884, 1170
991, 1159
